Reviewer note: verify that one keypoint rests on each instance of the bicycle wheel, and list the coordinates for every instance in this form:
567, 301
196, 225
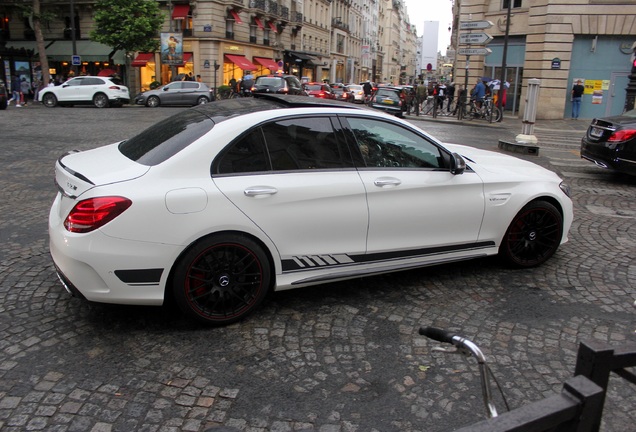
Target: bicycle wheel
496, 114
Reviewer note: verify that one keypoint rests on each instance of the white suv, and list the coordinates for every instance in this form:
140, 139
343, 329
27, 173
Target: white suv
86, 90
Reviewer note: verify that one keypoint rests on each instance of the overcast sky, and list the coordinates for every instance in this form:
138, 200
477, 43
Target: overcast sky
432, 10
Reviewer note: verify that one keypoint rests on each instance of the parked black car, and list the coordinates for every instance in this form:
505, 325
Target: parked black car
611, 143
278, 83
3, 96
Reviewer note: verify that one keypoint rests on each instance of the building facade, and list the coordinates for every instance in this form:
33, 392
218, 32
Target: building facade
222, 40
556, 41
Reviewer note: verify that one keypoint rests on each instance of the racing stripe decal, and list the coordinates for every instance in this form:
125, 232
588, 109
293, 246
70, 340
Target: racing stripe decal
305, 262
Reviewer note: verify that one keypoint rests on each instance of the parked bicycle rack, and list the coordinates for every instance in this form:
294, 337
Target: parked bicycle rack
579, 406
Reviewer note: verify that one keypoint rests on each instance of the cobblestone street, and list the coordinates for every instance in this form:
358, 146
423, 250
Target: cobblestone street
340, 357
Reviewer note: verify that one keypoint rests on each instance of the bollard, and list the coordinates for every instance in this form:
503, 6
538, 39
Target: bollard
526, 142
530, 113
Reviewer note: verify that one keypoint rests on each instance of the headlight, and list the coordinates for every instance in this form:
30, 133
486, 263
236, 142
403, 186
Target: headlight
565, 188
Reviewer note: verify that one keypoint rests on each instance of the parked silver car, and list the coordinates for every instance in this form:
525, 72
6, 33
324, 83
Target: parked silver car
176, 93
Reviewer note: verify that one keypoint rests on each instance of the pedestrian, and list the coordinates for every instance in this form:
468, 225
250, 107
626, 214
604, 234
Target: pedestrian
575, 98
421, 93
25, 90
450, 95
368, 89
199, 78
15, 91
441, 95
478, 93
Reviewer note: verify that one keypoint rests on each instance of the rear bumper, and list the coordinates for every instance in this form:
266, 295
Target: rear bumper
611, 156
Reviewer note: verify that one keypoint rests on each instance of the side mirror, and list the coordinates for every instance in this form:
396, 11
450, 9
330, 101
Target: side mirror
458, 164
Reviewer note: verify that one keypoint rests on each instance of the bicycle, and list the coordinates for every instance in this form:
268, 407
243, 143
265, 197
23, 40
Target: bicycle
468, 348
487, 111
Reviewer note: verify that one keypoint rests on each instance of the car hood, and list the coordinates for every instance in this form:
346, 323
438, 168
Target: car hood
78, 172
486, 161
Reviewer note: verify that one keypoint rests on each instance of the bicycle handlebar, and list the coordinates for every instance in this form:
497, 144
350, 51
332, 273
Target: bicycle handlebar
437, 334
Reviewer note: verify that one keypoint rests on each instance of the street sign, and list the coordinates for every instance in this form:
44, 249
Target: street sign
474, 51
76, 60
475, 25
474, 38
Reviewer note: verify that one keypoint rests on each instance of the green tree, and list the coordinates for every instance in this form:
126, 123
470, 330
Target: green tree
128, 25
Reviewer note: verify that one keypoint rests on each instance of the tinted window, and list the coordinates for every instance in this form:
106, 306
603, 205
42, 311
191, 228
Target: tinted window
304, 143
388, 145
92, 81
293, 82
247, 154
165, 139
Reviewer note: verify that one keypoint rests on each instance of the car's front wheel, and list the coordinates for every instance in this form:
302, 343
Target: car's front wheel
221, 279
533, 236
100, 100
49, 100
153, 102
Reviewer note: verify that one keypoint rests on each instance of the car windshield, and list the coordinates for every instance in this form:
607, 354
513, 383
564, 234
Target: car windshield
165, 139
313, 87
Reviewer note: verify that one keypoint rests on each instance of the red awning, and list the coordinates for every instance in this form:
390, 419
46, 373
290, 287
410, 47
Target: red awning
268, 63
180, 11
236, 16
259, 23
272, 25
142, 59
187, 57
241, 62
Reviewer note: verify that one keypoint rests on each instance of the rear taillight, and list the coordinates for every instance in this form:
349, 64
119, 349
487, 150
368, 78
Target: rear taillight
622, 135
92, 213
114, 88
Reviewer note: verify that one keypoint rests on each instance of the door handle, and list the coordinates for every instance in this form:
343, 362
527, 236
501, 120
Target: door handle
387, 182
255, 191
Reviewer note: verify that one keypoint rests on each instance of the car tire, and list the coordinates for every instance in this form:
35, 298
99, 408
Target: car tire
100, 100
49, 100
533, 235
202, 100
221, 279
153, 102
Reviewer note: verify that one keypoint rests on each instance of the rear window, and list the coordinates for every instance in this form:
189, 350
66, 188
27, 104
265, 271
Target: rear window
270, 81
167, 138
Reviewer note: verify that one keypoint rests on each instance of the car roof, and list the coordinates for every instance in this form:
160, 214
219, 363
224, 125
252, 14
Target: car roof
229, 108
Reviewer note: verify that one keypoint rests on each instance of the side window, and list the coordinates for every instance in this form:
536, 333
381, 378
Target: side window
388, 145
190, 85
174, 86
304, 143
75, 82
92, 81
247, 154
293, 82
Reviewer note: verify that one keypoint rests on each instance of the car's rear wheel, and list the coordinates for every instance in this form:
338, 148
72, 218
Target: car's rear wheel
221, 279
202, 100
100, 100
49, 100
533, 236
153, 102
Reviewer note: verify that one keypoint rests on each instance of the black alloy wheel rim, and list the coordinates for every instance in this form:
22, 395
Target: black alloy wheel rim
534, 236
224, 282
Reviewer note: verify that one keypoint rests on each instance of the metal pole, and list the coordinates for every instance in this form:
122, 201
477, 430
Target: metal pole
73, 44
502, 82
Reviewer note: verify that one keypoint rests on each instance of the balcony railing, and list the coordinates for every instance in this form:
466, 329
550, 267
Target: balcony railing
337, 23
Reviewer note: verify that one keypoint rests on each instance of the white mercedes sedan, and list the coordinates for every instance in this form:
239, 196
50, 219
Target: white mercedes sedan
223, 203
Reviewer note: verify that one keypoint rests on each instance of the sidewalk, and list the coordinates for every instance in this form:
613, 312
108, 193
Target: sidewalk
513, 123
